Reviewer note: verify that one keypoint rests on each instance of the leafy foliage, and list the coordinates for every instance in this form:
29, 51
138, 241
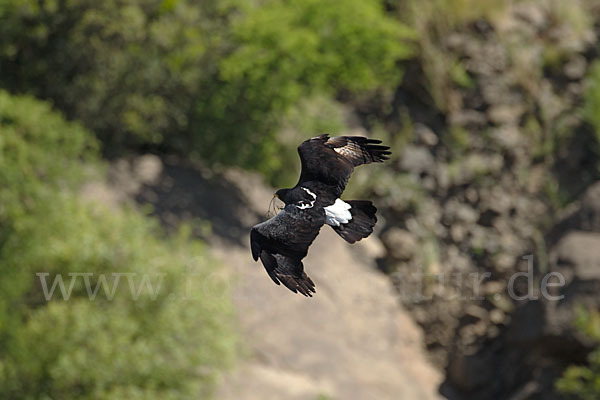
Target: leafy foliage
284, 51
128, 70
167, 341
583, 382
592, 101
197, 78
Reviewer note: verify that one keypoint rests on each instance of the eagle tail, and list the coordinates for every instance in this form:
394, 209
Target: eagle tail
362, 222
288, 271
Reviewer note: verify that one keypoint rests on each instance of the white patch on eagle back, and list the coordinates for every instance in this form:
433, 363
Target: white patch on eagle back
338, 213
307, 204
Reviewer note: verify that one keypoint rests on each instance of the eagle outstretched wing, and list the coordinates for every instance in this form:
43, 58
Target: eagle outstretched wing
283, 241
327, 163
331, 160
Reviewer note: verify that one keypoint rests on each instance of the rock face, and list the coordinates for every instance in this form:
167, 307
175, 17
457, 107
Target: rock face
485, 180
540, 338
352, 340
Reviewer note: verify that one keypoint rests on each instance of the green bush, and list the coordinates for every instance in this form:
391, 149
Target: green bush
583, 382
167, 339
284, 51
210, 79
591, 108
128, 70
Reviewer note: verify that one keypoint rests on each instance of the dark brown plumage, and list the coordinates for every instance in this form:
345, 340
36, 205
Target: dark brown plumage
327, 163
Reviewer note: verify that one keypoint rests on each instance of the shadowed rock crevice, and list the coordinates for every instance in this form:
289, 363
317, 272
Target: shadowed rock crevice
180, 191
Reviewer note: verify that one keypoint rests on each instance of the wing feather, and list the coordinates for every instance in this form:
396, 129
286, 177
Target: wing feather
283, 241
288, 271
331, 160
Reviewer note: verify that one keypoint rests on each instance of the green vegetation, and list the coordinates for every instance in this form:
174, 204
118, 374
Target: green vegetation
168, 342
434, 21
583, 382
591, 109
284, 51
197, 79
129, 71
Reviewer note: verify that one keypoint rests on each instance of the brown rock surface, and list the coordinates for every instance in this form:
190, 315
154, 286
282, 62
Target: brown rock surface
352, 340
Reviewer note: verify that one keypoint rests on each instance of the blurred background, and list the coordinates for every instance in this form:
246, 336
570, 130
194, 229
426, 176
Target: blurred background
140, 139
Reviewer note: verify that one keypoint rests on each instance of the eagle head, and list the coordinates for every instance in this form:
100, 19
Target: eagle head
282, 194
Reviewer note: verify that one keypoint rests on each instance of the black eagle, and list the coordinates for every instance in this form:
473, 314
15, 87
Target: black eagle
327, 163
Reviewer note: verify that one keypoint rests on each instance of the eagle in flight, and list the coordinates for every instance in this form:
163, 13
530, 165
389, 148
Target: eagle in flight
327, 163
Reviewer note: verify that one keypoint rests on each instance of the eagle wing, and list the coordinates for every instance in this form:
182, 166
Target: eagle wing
331, 160
283, 241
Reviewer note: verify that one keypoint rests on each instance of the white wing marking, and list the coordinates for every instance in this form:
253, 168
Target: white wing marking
314, 196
